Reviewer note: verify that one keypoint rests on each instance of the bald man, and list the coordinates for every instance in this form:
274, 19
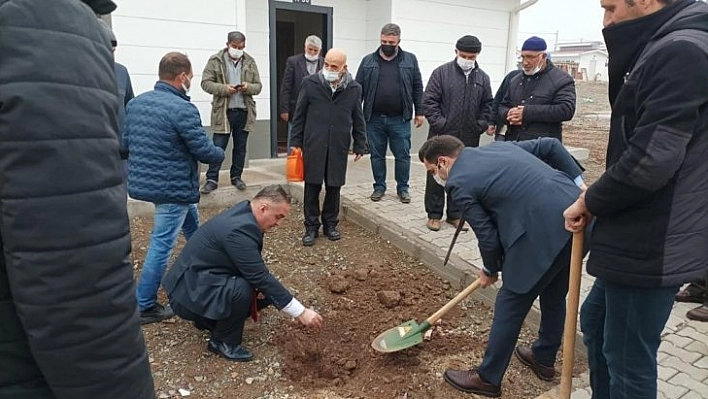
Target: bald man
328, 117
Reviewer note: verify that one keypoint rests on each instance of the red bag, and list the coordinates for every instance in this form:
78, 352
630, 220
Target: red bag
295, 166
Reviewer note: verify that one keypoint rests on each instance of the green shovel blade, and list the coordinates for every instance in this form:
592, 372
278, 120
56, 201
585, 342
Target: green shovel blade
400, 337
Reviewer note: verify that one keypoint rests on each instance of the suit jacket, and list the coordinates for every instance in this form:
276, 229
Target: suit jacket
513, 195
295, 72
224, 249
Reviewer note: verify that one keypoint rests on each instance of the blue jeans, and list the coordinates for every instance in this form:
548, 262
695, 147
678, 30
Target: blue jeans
394, 131
621, 327
168, 221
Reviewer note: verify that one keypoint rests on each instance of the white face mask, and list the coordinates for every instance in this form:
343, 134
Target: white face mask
330, 76
439, 179
312, 58
534, 71
235, 53
466, 65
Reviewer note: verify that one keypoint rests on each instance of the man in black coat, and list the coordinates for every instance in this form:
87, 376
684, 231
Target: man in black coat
69, 324
216, 279
513, 195
650, 204
458, 102
327, 117
298, 67
540, 99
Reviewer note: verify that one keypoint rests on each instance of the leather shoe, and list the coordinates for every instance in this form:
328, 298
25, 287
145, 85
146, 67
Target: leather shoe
240, 185
433, 224
156, 314
456, 222
470, 381
690, 294
377, 195
235, 353
309, 238
698, 314
208, 187
405, 197
525, 356
332, 233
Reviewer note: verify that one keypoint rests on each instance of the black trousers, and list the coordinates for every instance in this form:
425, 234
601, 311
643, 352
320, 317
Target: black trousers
237, 120
230, 328
435, 199
330, 208
511, 309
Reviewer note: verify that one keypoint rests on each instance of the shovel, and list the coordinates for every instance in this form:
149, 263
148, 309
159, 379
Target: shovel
410, 333
571, 315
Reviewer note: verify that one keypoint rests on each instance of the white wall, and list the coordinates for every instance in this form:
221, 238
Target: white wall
147, 30
430, 29
600, 67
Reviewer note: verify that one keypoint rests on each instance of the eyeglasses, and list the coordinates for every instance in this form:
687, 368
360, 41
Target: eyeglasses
529, 57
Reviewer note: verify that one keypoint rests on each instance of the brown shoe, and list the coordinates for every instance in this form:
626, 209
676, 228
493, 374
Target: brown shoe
525, 356
456, 222
698, 314
690, 294
469, 381
434, 224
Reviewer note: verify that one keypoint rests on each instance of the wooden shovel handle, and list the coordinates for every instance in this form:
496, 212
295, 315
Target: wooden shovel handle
571, 315
453, 302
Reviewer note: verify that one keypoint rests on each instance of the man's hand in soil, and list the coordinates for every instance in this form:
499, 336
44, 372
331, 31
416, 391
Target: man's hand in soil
310, 318
485, 281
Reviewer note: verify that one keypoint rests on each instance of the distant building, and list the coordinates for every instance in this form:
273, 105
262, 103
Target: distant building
584, 60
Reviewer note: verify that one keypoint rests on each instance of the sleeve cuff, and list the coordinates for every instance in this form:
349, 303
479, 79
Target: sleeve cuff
579, 180
294, 308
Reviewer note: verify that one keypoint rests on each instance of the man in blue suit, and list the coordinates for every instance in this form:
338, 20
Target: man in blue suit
513, 195
215, 279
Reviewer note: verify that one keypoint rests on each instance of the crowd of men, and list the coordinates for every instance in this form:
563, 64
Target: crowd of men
522, 196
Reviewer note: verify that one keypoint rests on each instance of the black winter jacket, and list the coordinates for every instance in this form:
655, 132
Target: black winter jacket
69, 326
651, 203
548, 98
458, 105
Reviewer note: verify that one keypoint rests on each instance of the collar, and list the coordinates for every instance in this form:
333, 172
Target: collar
164, 86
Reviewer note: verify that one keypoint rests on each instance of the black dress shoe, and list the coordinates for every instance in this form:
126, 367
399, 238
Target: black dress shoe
377, 195
698, 314
208, 187
405, 197
309, 238
239, 183
526, 356
156, 314
332, 233
234, 353
470, 381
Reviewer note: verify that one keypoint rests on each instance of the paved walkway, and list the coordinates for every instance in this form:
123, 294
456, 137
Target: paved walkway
683, 355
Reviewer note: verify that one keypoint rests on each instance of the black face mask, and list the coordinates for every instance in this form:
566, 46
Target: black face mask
388, 49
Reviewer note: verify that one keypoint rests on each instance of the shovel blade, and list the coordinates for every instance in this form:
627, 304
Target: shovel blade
400, 337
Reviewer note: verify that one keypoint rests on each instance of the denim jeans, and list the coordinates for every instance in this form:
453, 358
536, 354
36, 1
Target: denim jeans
237, 120
169, 219
394, 131
622, 327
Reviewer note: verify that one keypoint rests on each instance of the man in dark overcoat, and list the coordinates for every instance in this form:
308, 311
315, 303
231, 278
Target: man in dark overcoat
216, 279
328, 116
513, 195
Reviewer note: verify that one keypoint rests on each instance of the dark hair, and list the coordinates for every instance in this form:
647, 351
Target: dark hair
391, 30
440, 146
274, 193
173, 64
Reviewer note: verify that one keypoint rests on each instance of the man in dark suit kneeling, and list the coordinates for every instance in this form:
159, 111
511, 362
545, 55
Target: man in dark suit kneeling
513, 195
216, 279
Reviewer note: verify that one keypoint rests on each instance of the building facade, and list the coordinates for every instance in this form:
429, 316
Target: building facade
274, 30
589, 57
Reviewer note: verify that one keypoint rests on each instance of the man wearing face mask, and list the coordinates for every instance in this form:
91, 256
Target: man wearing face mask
457, 101
650, 204
297, 68
513, 195
327, 118
231, 77
165, 140
539, 99
393, 91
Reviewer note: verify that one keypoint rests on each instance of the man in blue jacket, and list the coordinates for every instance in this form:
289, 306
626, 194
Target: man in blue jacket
216, 278
513, 195
392, 91
165, 141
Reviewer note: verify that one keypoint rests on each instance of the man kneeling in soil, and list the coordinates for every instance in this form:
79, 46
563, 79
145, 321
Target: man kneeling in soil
513, 194
216, 278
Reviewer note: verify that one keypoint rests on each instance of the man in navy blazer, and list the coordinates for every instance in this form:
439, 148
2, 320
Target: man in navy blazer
513, 195
216, 277
297, 68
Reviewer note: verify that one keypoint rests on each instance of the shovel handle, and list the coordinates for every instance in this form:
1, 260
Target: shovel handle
453, 302
571, 315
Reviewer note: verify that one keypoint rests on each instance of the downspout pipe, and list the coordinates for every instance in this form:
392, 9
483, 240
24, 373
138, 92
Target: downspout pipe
512, 33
